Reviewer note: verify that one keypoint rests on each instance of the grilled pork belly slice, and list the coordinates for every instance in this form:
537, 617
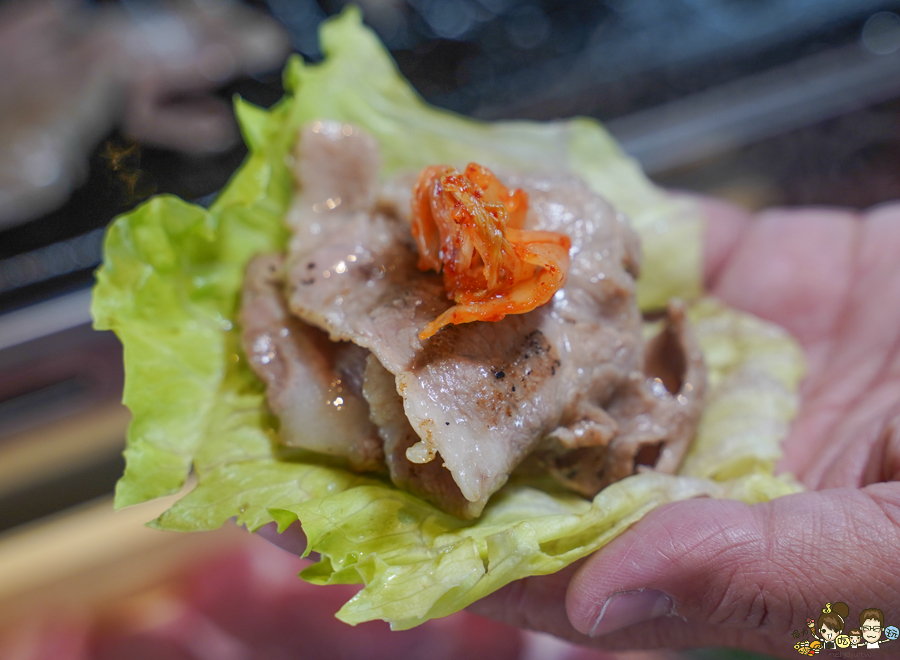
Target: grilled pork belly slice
477, 398
313, 385
454, 389
430, 481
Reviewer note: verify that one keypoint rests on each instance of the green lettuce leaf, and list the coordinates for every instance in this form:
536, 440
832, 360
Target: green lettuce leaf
419, 563
754, 371
169, 287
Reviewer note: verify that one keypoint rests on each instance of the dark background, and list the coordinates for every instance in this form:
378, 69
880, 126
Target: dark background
648, 68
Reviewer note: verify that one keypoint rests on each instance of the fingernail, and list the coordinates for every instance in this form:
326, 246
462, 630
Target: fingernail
627, 608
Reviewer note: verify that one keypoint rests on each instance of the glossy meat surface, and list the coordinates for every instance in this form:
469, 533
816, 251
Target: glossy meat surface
313, 385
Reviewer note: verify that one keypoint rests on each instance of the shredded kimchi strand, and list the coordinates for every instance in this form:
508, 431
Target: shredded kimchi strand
469, 226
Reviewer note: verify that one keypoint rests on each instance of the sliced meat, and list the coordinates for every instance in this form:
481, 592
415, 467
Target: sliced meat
313, 385
344, 169
649, 421
480, 395
674, 359
431, 481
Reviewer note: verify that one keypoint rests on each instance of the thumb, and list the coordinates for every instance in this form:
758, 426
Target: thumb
723, 573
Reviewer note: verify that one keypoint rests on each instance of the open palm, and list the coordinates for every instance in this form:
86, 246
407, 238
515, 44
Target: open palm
722, 573
833, 279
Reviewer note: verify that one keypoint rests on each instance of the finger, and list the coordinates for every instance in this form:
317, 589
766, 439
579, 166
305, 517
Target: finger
535, 603
719, 572
538, 604
853, 383
792, 267
725, 224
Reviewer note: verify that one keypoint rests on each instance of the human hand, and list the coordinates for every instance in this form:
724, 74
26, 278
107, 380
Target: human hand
722, 573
